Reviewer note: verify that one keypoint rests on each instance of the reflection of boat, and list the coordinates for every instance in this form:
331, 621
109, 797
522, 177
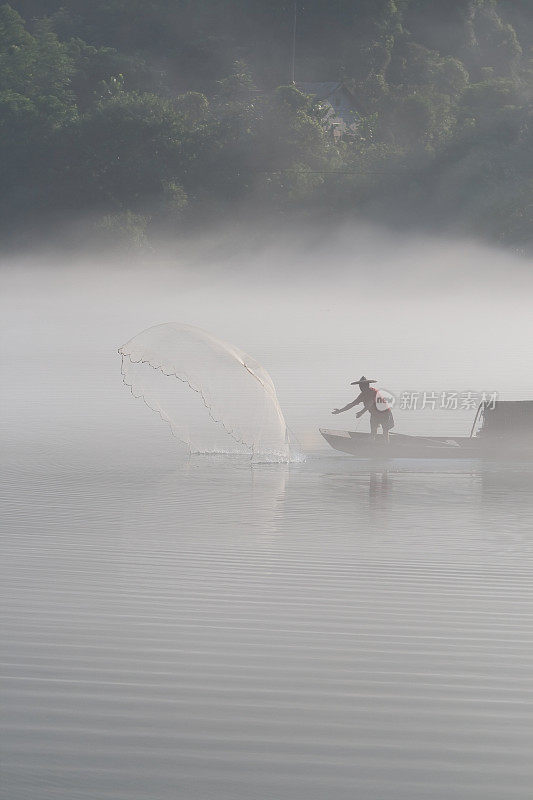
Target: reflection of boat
503, 429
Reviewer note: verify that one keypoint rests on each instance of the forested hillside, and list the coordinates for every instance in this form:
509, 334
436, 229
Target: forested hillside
148, 117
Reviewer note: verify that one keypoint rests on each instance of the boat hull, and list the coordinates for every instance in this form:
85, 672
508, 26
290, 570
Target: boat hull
362, 445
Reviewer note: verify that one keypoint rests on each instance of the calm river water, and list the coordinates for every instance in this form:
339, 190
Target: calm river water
210, 630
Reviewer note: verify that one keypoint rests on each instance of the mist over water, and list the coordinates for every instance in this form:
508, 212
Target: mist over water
316, 312
192, 627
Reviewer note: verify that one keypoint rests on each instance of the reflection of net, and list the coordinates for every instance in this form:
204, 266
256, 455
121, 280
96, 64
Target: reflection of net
162, 365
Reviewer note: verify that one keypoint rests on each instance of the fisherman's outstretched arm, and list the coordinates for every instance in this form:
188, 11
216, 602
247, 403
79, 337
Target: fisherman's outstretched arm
346, 408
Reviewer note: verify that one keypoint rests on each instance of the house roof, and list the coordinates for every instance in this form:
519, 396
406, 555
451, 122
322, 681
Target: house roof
343, 108
321, 90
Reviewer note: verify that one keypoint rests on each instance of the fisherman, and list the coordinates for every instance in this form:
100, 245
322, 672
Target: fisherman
375, 404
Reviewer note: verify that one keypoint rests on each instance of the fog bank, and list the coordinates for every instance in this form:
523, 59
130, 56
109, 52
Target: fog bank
317, 311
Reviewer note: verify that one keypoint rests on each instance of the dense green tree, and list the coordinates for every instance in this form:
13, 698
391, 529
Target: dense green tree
152, 114
37, 66
123, 153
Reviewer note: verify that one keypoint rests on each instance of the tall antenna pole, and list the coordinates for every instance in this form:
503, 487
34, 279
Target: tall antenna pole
293, 56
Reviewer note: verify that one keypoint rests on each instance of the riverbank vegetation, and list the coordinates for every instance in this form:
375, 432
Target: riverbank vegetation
132, 119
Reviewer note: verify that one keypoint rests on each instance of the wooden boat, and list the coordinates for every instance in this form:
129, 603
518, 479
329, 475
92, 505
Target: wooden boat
501, 430
399, 445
